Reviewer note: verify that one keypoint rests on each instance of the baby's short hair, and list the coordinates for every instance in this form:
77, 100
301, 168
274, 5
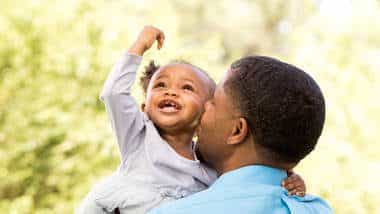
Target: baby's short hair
282, 104
151, 69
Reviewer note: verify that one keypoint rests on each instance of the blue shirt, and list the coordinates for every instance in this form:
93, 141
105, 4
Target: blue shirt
250, 189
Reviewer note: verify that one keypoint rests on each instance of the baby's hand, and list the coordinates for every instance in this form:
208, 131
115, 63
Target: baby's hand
294, 184
146, 39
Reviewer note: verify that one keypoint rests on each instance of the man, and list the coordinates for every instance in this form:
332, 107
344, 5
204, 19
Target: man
265, 117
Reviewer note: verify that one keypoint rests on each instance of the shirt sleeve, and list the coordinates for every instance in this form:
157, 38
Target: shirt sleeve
307, 204
126, 119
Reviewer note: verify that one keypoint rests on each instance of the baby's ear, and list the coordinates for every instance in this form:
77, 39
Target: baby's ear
142, 107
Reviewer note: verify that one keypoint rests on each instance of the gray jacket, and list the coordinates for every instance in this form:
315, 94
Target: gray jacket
151, 172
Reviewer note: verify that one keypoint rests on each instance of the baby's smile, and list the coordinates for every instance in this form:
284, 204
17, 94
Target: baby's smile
169, 106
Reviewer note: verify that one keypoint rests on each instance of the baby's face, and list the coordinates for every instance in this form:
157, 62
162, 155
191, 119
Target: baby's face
176, 96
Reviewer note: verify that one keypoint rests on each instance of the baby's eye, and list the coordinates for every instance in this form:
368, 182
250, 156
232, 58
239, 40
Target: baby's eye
188, 87
159, 85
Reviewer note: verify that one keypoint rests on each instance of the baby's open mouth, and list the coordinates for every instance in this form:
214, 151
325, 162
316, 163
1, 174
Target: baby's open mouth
169, 105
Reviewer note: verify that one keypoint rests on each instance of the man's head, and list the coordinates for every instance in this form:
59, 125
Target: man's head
263, 108
175, 95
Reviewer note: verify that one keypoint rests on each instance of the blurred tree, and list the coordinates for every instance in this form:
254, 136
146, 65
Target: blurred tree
54, 56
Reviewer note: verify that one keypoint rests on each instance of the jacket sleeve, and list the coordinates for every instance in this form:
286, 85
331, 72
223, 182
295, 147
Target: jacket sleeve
126, 119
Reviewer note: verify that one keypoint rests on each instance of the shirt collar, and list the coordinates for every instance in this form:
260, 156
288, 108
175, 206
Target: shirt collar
253, 174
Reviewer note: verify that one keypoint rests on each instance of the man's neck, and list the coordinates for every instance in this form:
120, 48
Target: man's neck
245, 157
233, 165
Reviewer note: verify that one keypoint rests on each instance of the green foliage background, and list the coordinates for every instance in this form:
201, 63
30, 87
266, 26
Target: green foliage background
55, 139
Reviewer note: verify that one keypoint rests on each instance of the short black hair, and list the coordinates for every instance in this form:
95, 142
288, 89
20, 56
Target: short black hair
152, 67
283, 105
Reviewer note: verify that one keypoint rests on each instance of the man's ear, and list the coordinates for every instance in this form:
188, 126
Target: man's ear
142, 107
240, 131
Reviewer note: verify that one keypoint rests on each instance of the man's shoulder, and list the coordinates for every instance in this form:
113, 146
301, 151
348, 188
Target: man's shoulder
306, 204
184, 204
225, 200
261, 199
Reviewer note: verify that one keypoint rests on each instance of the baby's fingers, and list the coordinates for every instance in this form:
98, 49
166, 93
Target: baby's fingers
290, 181
293, 179
298, 192
295, 185
160, 40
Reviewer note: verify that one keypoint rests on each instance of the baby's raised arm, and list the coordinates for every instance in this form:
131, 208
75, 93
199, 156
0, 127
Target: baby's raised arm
126, 119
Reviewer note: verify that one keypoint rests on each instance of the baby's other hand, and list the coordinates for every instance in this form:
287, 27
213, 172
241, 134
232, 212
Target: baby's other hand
146, 39
294, 184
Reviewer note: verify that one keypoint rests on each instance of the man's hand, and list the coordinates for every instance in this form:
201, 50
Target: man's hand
146, 39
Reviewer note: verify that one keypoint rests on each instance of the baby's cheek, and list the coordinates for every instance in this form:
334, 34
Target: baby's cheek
198, 108
196, 120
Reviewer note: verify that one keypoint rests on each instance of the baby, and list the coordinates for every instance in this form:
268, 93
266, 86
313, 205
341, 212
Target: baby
158, 161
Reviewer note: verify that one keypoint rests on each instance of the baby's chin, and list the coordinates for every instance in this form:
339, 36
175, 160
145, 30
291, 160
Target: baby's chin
168, 124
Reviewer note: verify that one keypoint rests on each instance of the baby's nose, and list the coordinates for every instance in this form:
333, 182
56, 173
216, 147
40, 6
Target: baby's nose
171, 92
